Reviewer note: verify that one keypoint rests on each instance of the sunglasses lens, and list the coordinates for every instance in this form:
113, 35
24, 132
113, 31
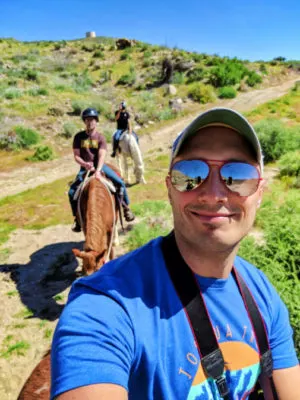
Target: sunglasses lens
241, 178
186, 175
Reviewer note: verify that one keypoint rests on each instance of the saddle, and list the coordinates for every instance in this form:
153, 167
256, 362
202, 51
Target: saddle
112, 188
108, 183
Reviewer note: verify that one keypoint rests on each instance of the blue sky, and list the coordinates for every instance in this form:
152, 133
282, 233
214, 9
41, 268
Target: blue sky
248, 29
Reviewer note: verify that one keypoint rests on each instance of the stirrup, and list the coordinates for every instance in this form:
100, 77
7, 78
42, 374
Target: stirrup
128, 215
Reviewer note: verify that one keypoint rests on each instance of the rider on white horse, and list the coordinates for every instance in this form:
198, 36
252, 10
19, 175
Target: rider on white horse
122, 117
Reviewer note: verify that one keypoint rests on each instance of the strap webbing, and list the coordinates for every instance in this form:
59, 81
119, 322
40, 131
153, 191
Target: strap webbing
190, 295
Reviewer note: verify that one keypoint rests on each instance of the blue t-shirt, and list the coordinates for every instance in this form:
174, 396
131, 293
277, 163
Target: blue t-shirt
126, 325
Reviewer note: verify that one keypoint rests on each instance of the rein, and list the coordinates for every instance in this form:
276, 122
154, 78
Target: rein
82, 186
114, 221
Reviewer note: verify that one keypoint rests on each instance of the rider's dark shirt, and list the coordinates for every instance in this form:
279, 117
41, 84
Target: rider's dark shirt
89, 145
122, 122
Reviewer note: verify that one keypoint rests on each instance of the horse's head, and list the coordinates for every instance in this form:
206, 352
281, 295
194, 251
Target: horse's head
91, 260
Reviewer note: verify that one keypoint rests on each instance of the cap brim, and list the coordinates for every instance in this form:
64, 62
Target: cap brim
220, 116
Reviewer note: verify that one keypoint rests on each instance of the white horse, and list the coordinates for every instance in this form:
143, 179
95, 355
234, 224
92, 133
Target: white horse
130, 149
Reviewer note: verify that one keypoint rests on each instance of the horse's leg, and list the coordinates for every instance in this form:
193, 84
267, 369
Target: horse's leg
137, 159
119, 162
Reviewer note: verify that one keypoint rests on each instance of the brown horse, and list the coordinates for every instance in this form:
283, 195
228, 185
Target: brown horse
98, 213
37, 386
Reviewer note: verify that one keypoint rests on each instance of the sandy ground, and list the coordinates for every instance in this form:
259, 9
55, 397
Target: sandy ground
40, 267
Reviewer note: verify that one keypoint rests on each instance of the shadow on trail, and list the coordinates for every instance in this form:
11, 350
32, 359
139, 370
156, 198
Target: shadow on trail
50, 271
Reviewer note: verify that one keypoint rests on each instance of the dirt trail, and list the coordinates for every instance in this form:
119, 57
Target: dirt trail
40, 266
29, 177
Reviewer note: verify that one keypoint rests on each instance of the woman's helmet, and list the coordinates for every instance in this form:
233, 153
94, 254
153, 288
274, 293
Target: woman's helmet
90, 112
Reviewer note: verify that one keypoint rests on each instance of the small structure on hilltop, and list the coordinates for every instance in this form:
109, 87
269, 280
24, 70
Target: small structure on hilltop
90, 34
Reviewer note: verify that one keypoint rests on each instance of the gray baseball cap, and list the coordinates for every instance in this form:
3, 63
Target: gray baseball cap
223, 117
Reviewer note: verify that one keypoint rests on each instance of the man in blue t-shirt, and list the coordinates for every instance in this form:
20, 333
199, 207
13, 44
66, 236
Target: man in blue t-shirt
125, 334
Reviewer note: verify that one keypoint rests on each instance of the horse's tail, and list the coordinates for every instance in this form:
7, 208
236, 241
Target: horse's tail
136, 154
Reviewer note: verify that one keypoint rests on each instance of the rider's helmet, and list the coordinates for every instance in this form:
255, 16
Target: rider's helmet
90, 112
123, 104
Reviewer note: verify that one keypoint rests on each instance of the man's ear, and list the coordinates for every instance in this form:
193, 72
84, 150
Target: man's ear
258, 203
260, 192
168, 184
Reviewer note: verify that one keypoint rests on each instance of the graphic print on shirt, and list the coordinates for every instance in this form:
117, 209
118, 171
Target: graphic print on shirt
89, 144
242, 370
242, 367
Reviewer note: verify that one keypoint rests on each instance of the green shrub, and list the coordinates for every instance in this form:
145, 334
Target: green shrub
37, 91
263, 69
178, 78
99, 54
89, 47
42, 153
69, 130
227, 74
197, 57
165, 114
279, 256
211, 61
12, 93
227, 92
31, 75
105, 76
104, 108
276, 139
78, 106
148, 62
125, 55
55, 111
26, 137
148, 54
127, 79
83, 82
201, 93
12, 82
289, 164
196, 75
156, 222
60, 88
253, 79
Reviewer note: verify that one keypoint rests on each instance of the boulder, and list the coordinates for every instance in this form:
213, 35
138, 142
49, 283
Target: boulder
176, 104
123, 43
171, 89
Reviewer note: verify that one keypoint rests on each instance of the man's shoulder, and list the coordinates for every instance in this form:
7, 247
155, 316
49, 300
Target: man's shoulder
99, 135
80, 134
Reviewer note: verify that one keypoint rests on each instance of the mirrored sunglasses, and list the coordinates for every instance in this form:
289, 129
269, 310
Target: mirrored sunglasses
239, 177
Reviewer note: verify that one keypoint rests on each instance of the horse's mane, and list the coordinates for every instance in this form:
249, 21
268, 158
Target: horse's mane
99, 216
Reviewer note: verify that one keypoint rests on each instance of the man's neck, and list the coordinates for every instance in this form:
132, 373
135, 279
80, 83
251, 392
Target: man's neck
91, 131
208, 263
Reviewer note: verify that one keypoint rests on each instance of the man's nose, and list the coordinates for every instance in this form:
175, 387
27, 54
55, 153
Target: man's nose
213, 188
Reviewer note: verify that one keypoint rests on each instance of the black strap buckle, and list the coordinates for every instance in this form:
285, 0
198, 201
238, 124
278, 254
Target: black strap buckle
266, 363
222, 387
213, 365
